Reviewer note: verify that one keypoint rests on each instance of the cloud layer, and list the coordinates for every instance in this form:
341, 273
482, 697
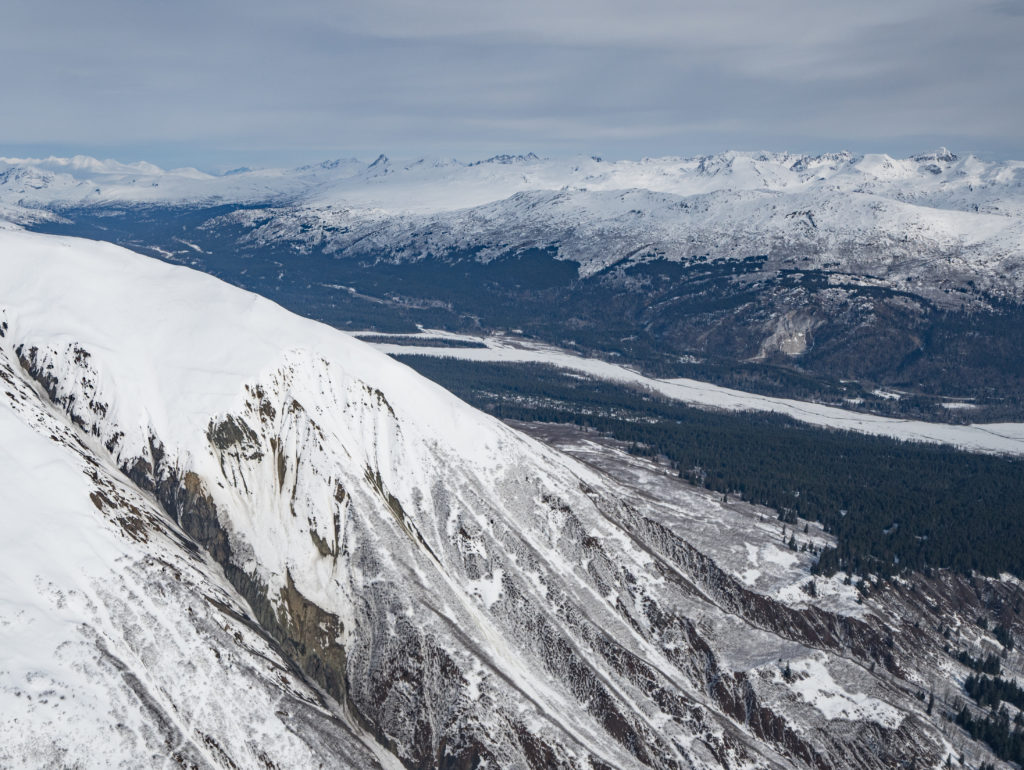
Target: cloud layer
311, 78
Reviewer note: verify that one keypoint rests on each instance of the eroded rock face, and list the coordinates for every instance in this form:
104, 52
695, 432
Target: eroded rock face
125, 645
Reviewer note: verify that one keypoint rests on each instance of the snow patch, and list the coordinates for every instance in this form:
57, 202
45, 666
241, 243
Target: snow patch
812, 681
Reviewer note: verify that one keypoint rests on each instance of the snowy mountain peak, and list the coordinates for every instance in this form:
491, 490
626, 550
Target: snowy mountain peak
451, 183
507, 160
942, 155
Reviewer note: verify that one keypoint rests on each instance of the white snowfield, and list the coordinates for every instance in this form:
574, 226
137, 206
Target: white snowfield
996, 438
462, 591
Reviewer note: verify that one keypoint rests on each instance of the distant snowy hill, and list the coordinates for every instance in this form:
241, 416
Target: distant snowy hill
934, 216
235, 537
939, 180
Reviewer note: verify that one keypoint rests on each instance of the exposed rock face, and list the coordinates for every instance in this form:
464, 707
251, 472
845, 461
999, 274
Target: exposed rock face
790, 335
453, 594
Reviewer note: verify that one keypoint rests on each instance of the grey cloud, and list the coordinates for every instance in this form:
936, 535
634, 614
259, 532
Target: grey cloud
312, 78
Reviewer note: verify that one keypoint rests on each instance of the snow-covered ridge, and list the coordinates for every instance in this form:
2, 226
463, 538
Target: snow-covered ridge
940, 179
191, 374
927, 224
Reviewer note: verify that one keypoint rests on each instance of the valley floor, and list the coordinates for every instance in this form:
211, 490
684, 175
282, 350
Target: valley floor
999, 438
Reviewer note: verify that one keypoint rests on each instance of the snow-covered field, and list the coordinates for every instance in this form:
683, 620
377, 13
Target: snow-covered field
1002, 438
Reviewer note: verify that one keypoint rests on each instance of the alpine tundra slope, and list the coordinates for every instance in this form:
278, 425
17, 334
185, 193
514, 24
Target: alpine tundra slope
235, 537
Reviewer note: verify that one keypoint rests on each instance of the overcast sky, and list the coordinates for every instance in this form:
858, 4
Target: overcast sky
215, 84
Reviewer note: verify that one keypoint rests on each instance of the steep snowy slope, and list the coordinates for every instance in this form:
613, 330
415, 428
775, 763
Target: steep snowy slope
453, 593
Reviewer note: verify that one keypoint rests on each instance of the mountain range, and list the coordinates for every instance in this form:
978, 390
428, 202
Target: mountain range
821, 277
236, 537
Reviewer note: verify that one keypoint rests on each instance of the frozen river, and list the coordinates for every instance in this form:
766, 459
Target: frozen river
1002, 438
